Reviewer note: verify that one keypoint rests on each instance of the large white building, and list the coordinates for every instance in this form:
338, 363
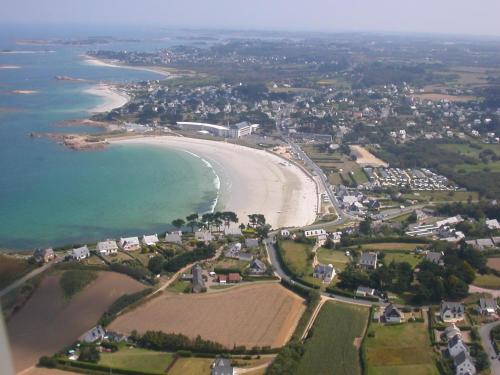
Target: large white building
238, 130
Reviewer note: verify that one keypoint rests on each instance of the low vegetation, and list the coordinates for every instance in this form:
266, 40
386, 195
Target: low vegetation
137, 359
74, 281
12, 268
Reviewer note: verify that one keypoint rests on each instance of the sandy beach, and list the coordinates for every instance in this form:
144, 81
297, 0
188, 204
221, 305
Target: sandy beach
112, 97
252, 181
112, 64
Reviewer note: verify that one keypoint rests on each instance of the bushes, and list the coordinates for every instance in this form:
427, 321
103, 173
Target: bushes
45, 361
157, 340
177, 262
69, 365
73, 281
137, 273
121, 303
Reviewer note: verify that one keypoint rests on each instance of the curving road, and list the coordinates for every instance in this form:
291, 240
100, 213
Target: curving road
484, 332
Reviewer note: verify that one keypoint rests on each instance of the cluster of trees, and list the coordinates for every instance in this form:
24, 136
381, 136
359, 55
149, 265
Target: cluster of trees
175, 263
157, 340
207, 221
133, 270
478, 211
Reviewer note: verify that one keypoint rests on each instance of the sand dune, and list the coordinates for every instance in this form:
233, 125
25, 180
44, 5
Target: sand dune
252, 181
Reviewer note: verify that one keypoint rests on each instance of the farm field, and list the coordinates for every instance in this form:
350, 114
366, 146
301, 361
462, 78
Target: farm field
13, 268
494, 263
487, 281
337, 258
60, 323
398, 257
194, 366
254, 315
399, 349
390, 246
366, 158
332, 348
138, 360
442, 196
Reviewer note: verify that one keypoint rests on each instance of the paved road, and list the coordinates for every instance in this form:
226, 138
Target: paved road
484, 332
28, 276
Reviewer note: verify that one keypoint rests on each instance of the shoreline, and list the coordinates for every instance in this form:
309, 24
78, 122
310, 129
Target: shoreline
251, 181
115, 64
113, 97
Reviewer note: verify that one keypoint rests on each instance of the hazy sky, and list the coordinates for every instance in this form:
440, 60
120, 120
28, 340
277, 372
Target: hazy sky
480, 17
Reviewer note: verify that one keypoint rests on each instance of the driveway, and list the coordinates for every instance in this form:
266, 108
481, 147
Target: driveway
484, 332
475, 289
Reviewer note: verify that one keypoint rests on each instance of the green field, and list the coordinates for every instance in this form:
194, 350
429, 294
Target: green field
297, 257
194, 366
442, 196
400, 257
337, 258
179, 286
399, 350
138, 360
12, 268
487, 281
331, 348
389, 246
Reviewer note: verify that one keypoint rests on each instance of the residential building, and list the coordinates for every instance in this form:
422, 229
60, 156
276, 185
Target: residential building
257, 267
464, 365
456, 346
150, 240
80, 253
251, 243
315, 233
452, 331
285, 233
233, 231
493, 224
368, 261
222, 279
173, 238
95, 334
364, 291
203, 236
481, 243
198, 282
451, 312
130, 243
325, 272
487, 306
44, 255
241, 129
435, 257
107, 247
245, 257
393, 315
233, 277
222, 366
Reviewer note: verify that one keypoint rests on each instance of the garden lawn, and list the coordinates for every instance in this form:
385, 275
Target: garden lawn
331, 348
390, 246
296, 257
487, 281
138, 360
398, 257
337, 258
399, 349
195, 366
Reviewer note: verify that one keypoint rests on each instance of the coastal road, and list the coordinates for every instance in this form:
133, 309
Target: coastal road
28, 276
484, 332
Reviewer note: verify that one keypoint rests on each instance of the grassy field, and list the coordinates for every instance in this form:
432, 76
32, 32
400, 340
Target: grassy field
228, 263
195, 366
12, 268
337, 258
179, 286
297, 257
331, 349
487, 281
442, 196
399, 349
138, 360
398, 257
389, 246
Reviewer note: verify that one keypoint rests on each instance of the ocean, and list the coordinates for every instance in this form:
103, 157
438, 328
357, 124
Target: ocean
52, 196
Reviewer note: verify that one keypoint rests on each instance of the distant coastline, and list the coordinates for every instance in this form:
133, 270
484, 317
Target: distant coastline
115, 64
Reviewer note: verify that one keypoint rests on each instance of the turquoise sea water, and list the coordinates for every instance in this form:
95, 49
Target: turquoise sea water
53, 196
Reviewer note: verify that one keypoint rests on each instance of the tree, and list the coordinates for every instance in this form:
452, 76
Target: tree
456, 289
89, 353
178, 223
365, 227
155, 264
263, 231
192, 221
256, 220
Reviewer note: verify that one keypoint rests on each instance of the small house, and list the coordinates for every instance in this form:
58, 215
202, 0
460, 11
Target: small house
203, 236
95, 334
233, 278
393, 315
285, 233
107, 247
44, 255
222, 279
463, 364
257, 267
80, 253
452, 331
314, 233
364, 291
487, 306
368, 261
435, 257
232, 232
325, 272
130, 243
173, 238
456, 345
251, 243
451, 312
150, 240
245, 257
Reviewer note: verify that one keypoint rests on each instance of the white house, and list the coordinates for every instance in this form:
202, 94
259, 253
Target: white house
464, 364
368, 260
130, 243
107, 247
315, 233
173, 237
150, 240
285, 233
324, 272
203, 236
233, 231
487, 306
493, 224
80, 253
393, 315
451, 312
364, 291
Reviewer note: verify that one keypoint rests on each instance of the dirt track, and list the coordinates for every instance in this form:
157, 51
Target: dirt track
47, 323
260, 314
366, 158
